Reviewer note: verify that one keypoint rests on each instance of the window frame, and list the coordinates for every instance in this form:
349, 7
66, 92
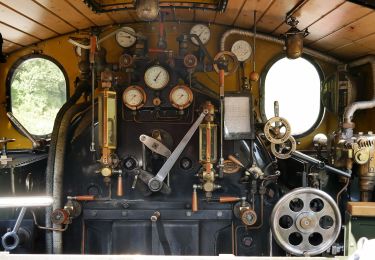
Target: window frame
262, 91
9, 77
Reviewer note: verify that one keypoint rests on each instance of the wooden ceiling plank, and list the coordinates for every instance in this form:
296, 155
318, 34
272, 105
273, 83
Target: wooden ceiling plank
23, 23
9, 46
16, 36
348, 34
339, 18
121, 16
7, 42
275, 15
230, 13
245, 18
37, 13
63, 10
98, 19
310, 13
352, 51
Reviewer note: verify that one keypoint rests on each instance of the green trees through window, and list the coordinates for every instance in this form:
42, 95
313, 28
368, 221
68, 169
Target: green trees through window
38, 90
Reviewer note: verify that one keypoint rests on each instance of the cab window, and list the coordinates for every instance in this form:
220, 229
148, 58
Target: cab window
295, 84
37, 88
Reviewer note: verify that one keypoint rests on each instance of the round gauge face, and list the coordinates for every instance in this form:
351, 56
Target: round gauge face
124, 39
134, 97
181, 96
156, 77
242, 50
202, 31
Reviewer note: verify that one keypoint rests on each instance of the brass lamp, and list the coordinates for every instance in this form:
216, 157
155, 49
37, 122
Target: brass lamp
294, 39
147, 10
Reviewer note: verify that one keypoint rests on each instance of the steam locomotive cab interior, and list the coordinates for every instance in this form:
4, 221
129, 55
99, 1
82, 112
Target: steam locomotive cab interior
187, 128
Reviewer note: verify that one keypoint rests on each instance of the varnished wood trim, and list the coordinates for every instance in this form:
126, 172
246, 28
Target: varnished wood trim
62, 19
17, 29
340, 28
43, 25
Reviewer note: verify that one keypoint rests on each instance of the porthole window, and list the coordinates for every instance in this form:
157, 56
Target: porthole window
37, 88
295, 84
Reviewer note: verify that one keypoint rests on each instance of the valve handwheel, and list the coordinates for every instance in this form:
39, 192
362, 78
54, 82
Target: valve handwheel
227, 58
284, 150
306, 221
277, 130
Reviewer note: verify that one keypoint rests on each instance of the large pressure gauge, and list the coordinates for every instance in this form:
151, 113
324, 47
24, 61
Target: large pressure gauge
134, 97
181, 96
202, 31
124, 39
242, 50
156, 77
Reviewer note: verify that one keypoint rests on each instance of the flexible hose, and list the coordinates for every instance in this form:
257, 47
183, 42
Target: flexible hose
82, 86
58, 171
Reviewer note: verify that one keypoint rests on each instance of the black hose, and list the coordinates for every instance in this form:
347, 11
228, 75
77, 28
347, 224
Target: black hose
82, 87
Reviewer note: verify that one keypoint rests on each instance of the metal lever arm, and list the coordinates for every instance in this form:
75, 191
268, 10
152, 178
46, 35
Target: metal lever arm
155, 183
11, 240
36, 144
320, 164
155, 145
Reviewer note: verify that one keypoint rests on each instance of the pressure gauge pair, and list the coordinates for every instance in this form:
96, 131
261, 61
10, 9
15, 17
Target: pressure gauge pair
134, 97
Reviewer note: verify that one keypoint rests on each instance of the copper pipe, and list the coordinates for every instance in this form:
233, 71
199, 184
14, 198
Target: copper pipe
235, 160
120, 189
82, 198
228, 199
342, 190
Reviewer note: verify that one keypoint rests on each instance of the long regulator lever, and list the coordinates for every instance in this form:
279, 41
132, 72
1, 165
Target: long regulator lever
156, 183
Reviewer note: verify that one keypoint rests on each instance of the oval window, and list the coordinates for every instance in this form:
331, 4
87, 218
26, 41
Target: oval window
295, 84
38, 89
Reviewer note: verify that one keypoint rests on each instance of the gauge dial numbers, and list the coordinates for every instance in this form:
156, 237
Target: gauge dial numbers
124, 39
134, 97
242, 50
156, 77
181, 96
203, 33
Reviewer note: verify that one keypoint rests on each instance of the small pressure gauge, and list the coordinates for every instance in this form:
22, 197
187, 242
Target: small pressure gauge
202, 31
134, 97
124, 39
156, 77
242, 50
181, 96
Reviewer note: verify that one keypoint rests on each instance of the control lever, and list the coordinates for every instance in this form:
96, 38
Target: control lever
156, 183
320, 164
36, 143
11, 240
155, 145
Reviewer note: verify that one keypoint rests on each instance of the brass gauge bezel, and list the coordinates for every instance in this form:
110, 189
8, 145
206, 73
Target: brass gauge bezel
142, 93
187, 103
149, 70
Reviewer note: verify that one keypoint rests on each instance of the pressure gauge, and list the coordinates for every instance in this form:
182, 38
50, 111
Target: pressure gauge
181, 96
202, 31
156, 77
134, 97
124, 39
242, 50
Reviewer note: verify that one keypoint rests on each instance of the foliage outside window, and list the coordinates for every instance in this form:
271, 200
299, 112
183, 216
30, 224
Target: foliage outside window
38, 89
295, 84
